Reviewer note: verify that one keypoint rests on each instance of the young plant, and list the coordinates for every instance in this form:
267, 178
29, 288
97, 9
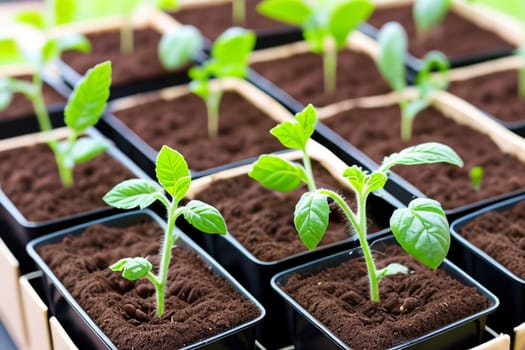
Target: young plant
391, 63
429, 13
326, 26
174, 177
229, 58
281, 175
476, 177
83, 109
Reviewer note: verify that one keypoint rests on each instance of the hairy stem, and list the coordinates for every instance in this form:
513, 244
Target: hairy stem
309, 173
239, 12
359, 223
406, 122
167, 245
126, 37
329, 65
213, 102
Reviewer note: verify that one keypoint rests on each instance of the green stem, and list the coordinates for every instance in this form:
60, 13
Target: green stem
521, 82
212, 106
239, 12
330, 65
126, 37
406, 122
309, 173
167, 245
359, 224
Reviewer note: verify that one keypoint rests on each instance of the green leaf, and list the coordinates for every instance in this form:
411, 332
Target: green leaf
64, 11
6, 96
311, 218
277, 174
356, 176
390, 61
346, 16
132, 268
392, 269
294, 12
9, 51
33, 18
314, 33
476, 177
428, 13
167, 4
87, 148
133, 193
295, 135
200, 88
234, 46
88, 100
172, 172
375, 181
422, 230
433, 61
425, 153
177, 47
204, 217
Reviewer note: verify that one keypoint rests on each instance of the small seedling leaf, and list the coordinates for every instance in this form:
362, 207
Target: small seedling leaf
204, 217
392, 41
311, 218
234, 46
87, 148
375, 181
392, 269
170, 168
76, 42
356, 177
64, 11
167, 4
87, 102
177, 47
10, 52
345, 17
276, 173
33, 18
425, 153
295, 135
428, 13
133, 193
422, 230
132, 268
294, 12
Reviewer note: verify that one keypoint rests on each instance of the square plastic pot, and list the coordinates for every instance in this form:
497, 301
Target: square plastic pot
508, 287
309, 333
87, 335
255, 274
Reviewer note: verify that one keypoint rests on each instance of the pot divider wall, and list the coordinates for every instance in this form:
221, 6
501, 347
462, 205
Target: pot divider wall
502, 25
144, 155
61, 340
35, 312
254, 273
146, 19
519, 337
310, 333
82, 328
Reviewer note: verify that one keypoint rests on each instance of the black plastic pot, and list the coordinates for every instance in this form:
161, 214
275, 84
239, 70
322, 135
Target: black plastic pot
17, 230
255, 274
309, 333
87, 335
508, 287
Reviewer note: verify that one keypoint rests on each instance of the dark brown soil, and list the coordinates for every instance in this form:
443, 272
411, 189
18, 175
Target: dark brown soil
411, 305
29, 177
377, 133
454, 36
20, 106
262, 220
502, 236
213, 20
142, 65
181, 124
301, 76
198, 303
495, 93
